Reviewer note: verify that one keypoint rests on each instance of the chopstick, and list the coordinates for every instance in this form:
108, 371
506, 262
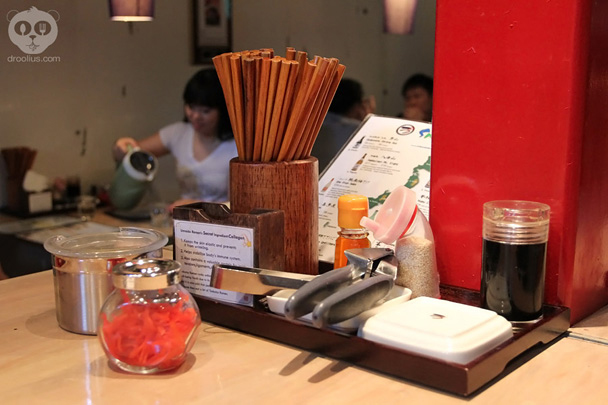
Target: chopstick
276, 105
286, 109
237, 94
291, 132
337, 74
261, 112
272, 88
312, 96
250, 102
281, 89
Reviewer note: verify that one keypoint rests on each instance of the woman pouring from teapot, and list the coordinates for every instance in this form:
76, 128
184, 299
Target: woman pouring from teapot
202, 143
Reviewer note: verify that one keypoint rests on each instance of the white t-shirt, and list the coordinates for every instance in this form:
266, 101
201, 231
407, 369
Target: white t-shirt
206, 180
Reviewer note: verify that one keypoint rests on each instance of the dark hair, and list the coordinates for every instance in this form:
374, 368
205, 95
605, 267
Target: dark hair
348, 94
418, 80
204, 88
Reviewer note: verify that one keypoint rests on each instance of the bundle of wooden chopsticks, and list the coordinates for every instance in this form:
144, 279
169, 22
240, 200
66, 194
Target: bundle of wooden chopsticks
276, 104
18, 161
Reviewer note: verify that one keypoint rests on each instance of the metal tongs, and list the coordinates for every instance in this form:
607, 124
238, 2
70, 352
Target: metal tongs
346, 292
252, 280
332, 297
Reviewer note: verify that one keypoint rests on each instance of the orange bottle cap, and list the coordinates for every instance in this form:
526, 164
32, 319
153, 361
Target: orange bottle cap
351, 208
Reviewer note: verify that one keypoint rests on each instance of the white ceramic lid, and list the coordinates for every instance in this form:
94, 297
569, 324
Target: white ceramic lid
437, 328
124, 242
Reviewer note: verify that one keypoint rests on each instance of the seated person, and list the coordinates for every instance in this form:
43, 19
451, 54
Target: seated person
417, 92
202, 143
348, 108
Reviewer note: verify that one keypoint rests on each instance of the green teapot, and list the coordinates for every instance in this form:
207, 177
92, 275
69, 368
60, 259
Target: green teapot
132, 178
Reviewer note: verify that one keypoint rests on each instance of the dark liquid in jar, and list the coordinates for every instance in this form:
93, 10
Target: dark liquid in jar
513, 279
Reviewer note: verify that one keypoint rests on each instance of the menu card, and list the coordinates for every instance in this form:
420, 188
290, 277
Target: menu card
383, 153
200, 245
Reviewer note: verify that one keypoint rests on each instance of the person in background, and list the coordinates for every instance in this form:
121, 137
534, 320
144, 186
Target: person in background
202, 143
348, 108
417, 92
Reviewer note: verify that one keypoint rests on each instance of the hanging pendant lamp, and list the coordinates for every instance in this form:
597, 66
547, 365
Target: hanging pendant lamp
131, 10
399, 16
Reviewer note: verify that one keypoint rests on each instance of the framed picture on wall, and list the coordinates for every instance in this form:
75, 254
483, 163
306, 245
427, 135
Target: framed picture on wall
212, 29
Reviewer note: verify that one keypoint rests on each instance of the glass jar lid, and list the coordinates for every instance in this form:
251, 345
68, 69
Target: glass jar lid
146, 274
516, 221
128, 241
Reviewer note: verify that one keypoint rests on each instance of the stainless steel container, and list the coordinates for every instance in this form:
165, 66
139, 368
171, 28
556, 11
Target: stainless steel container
82, 271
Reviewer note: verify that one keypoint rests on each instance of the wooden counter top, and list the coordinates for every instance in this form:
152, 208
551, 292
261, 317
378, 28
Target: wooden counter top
41, 363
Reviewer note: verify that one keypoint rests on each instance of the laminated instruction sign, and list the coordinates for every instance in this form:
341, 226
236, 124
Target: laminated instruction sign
383, 153
198, 246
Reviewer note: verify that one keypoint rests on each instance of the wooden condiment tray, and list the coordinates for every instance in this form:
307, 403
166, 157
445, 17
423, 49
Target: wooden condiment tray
528, 338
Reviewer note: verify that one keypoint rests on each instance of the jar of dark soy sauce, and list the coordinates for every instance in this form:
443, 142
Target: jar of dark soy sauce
514, 251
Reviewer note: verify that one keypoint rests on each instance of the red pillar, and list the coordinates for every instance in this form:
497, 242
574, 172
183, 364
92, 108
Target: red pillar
521, 112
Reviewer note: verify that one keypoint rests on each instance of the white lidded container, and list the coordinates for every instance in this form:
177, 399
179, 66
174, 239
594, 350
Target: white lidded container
82, 270
440, 329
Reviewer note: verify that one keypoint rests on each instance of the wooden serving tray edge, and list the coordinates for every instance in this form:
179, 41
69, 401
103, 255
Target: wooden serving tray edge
455, 378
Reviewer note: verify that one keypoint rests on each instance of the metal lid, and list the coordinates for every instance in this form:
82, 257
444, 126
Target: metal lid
125, 242
146, 274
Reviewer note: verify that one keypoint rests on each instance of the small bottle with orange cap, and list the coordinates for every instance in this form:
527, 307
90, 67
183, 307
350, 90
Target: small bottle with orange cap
351, 208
